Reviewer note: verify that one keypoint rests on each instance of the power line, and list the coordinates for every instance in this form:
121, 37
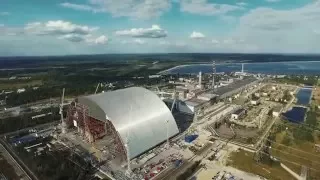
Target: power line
291, 154
293, 148
297, 164
305, 125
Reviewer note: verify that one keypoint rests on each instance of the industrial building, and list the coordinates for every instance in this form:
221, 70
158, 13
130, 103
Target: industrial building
276, 111
135, 119
235, 87
204, 98
238, 114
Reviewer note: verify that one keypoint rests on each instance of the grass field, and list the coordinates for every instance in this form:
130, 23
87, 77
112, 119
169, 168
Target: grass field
14, 85
316, 97
297, 155
244, 161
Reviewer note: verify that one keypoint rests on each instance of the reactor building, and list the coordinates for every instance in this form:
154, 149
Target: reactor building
133, 120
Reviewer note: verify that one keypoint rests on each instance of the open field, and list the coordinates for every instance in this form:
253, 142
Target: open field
296, 153
7, 84
244, 161
316, 96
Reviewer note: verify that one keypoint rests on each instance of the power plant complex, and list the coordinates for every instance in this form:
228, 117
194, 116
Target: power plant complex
163, 132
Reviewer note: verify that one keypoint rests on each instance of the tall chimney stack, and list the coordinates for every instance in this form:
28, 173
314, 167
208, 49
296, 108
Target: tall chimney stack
242, 70
200, 79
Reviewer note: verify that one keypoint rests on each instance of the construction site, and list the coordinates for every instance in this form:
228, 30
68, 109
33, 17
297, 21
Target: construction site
188, 131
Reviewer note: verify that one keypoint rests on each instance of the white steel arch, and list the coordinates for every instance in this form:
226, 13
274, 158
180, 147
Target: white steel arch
146, 122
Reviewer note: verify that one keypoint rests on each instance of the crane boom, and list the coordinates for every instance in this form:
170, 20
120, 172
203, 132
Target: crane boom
61, 112
97, 88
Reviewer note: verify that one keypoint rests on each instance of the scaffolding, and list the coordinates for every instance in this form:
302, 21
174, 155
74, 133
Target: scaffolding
92, 129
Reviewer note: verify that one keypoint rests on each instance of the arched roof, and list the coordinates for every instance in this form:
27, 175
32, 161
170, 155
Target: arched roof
135, 111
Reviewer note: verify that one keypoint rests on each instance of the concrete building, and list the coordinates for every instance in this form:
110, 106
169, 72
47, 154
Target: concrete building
235, 87
255, 101
182, 92
238, 114
276, 111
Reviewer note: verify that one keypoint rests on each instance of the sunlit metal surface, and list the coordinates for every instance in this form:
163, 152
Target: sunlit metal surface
135, 111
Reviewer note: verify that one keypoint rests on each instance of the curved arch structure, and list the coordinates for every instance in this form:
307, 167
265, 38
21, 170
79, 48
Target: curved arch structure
136, 113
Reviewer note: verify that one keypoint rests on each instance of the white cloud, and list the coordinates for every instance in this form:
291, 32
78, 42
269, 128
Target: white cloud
62, 30
272, 1
203, 7
214, 41
229, 41
135, 41
137, 9
273, 30
154, 32
164, 43
139, 41
241, 4
197, 35
101, 40
229, 19
4, 13
58, 27
73, 37
80, 7
85, 38
180, 44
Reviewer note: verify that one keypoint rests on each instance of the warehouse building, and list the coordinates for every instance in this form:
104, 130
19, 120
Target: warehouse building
235, 87
238, 114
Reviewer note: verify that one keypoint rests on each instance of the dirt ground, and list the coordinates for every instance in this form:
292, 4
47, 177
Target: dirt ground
244, 135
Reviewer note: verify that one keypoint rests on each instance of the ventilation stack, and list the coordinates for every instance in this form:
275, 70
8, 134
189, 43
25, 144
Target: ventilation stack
63, 122
200, 80
242, 69
213, 74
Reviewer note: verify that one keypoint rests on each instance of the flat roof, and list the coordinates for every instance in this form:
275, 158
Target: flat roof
208, 95
233, 86
195, 101
239, 111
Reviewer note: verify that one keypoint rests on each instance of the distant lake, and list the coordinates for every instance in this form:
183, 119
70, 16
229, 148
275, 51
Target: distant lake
303, 96
305, 68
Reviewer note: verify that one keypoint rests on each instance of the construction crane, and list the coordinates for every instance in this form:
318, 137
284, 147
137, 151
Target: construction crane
128, 171
167, 121
63, 123
99, 84
174, 100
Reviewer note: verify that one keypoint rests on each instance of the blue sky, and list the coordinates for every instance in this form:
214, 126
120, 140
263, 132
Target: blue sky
60, 27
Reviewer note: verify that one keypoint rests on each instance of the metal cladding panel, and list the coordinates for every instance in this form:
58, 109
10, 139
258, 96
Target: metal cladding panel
135, 111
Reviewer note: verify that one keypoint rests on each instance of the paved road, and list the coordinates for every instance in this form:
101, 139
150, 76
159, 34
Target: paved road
20, 164
17, 168
33, 127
